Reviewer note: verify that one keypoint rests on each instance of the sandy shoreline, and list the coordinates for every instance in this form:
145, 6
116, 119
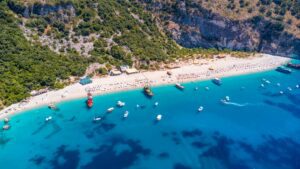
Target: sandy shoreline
201, 70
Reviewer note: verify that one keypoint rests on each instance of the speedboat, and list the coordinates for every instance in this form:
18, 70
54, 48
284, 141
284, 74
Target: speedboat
96, 119
48, 118
6, 127
283, 70
6, 120
179, 86
159, 117
120, 103
217, 81
52, 106
227, 98
126, 114
200, 109
111, 109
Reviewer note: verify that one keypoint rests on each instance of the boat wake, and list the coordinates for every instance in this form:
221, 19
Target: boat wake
235, 104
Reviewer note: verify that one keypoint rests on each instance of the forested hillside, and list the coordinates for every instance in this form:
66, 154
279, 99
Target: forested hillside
24, 66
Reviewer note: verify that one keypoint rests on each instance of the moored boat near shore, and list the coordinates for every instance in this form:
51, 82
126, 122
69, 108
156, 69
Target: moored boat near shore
179, 86
217, 81
89, 101
148, 91
294, 66
283, 70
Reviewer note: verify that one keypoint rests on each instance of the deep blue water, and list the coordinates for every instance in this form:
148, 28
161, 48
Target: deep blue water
259, 129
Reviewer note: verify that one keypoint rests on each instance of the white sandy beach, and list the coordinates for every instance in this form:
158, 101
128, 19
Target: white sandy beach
189, 71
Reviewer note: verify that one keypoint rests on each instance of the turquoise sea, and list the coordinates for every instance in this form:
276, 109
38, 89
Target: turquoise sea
259, 128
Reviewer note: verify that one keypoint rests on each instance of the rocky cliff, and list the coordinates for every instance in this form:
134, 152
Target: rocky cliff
191, 25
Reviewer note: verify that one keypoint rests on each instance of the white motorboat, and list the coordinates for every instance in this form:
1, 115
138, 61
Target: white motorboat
96, 119
206, 88
6, 120
200, 109
6, 127
227, 98
126, 114
179, 86
156, 104
297, 86
281, 92
159, 117
289, 88
120, 103
111, 109
48, 118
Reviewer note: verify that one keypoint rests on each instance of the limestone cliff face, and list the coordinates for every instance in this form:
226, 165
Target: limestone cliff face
42, 9
193, 26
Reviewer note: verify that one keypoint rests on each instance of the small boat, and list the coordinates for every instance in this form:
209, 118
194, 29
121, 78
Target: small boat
289, 88
227, 98
148, 91
111, 109
206, 88
196, 88
48, 118
278, 84
281, 92
6, 127
126, 114
200, 109
52, 106
294, 66
6, 120
217, 81
283, 70
262, 85
169, 73
159, 117
96, 119
120, 103
89, 101
297, 86
156, 104
179, 86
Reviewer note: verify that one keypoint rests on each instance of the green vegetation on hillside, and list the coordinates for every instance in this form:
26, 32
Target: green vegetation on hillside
24, 67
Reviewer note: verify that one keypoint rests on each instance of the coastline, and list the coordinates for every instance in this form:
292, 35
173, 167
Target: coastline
203, 69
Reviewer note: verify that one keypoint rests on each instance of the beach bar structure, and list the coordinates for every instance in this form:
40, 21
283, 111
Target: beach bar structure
85, 81
38, 92
115, 72
131, 71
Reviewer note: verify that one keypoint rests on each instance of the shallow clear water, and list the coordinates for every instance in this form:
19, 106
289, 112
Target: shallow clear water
258, 128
